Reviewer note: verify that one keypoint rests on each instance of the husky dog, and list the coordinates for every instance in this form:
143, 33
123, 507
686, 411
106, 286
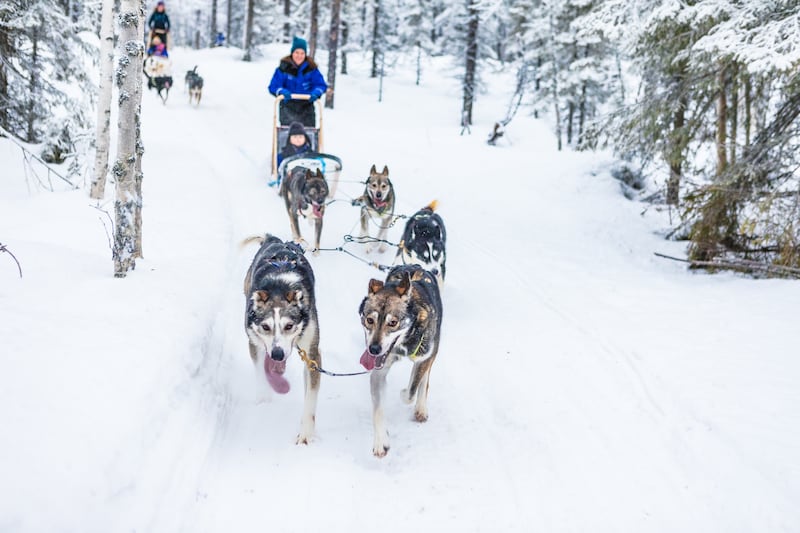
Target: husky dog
377, 204
305, 193
281, 313
423, 242
194, 82
402, 317
157, 69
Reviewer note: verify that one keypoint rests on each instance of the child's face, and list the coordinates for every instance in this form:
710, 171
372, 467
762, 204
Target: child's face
297, 140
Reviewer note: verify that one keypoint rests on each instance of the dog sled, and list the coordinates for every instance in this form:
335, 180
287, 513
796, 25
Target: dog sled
158, 70
315, 159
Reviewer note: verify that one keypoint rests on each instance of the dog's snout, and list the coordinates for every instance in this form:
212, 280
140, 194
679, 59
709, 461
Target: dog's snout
379, 195
375, 349
277, 354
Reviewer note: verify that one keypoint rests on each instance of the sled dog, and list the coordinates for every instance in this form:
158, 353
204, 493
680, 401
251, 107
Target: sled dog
281, 313
305, 193
402, 317
377, 205
158, 72
194, 83
423, 242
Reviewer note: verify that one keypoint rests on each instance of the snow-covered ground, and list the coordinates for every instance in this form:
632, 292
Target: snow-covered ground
582, 383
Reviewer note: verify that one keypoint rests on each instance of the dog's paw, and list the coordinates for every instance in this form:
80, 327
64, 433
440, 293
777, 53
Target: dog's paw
304, 438
380, 451
421, 415
407, 398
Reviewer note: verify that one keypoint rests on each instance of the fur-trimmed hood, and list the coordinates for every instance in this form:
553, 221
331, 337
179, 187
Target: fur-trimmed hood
287, 65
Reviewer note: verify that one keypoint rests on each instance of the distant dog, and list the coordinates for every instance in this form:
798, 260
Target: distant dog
157, 70
423, 242
377, 204
194, 83
402, 318
281, 313
305, 193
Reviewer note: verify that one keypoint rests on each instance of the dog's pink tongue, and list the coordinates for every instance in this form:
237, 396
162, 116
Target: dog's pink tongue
317, 209
274, 370
367, 360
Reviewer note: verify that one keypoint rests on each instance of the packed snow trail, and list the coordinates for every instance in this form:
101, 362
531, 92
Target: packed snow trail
581, 385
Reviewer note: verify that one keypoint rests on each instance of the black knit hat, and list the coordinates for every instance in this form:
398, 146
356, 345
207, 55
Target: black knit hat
296, 128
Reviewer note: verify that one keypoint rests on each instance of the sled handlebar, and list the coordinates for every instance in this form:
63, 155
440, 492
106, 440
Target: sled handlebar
295, 97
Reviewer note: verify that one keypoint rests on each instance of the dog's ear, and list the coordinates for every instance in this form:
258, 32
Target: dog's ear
375, 286
417, 275
422, 316
259, 299
385, 171
319, 174
404, 286
294, 296
373, 170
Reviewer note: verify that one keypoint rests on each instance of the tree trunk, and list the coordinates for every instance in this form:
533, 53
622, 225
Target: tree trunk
722, 121
229, 24
582, 113
345, 33
570, 118
312, 41
748, 107
248, 31
734, 114
554, 82
138, 174
471, 63
336, 7
103, 132
7, 53
129, 69
375, 38
419, 64
197, 26
33, 86
287, 26
212, 41
676, 153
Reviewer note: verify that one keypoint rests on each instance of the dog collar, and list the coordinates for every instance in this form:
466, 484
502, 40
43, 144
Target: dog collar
413, 355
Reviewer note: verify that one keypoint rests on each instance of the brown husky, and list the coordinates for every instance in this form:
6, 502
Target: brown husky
402, 317
377, 204
305, 193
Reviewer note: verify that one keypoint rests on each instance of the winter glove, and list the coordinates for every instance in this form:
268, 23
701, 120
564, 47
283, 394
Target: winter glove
314, 96
286, 94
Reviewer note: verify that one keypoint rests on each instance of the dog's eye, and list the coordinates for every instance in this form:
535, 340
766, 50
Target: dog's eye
392, 323
370, 321
288, 327
265, 327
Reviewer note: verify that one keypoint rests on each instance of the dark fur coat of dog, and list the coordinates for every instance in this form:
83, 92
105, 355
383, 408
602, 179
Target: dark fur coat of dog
194, 84
281, 314
402, 317
305, 193
423, 243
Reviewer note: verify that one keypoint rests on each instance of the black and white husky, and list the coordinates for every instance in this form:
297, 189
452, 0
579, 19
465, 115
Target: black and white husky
281, 314
423, 242
377, 205
402, 317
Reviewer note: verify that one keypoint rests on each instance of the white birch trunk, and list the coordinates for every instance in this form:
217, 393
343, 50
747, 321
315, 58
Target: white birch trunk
98, 186
128, 75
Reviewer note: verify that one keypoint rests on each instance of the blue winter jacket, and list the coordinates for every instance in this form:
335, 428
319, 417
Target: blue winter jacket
305, 79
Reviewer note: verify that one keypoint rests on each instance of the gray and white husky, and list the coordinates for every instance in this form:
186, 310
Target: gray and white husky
402, 317
281, 314
377, 205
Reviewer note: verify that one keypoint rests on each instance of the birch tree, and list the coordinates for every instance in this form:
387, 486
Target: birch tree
128, 75
103, 140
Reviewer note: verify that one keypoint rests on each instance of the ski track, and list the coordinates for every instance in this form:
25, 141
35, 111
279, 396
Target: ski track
555, 419
249, 462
